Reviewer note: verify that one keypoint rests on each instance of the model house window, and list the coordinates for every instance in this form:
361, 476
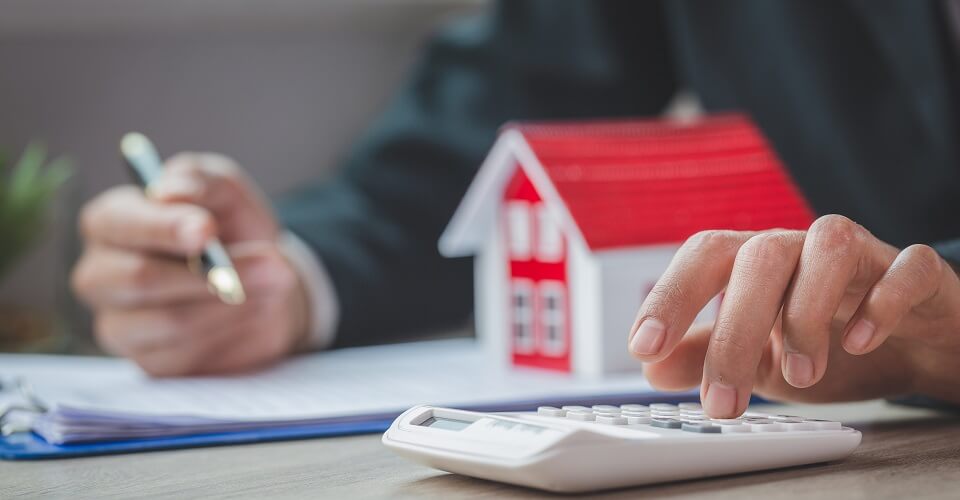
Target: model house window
549, 242
522, 307
553, 317
518, 223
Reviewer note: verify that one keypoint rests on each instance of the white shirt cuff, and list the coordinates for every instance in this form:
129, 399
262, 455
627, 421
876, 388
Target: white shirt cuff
322, 298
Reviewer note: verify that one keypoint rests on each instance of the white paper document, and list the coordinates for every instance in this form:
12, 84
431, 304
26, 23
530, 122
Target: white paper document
104, 398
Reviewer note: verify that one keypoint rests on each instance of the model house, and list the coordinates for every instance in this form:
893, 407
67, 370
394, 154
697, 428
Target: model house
573, 223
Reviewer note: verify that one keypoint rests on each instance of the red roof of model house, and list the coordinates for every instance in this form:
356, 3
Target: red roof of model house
632, 183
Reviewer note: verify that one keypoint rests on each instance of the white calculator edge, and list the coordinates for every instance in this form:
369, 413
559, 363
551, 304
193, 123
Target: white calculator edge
568, 452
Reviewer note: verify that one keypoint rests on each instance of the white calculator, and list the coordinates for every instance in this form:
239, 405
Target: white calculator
579, 448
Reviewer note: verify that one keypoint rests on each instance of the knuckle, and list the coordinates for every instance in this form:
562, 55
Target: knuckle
800, 328
924, 259
91, 220
765, 248
727, 346
664, 293
712, 240
184, 163
224, 166
886, 298
836, 231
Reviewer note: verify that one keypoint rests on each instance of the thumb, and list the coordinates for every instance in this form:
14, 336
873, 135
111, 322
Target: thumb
217, 184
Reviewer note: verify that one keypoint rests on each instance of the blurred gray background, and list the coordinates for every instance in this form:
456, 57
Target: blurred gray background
283, 86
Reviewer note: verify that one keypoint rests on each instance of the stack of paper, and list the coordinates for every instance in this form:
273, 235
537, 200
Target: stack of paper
96, 399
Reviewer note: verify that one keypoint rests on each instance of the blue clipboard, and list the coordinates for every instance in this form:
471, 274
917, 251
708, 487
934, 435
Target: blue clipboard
29, 446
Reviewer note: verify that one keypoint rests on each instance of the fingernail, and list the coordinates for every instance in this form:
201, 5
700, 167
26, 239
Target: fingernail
799, 369
192, 232
860, 336
720, 400
649, 337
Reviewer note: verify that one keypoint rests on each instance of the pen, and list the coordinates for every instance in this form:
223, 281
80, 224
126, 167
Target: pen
215, 264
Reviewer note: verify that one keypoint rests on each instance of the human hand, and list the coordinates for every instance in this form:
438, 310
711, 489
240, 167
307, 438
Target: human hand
151, 308
827, 314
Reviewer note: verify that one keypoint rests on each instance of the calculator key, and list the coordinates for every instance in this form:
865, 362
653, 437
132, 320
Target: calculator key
549, 411
791, 420
606, 409
576, 408
664, 407
755, 414
635, 408
634, 420
585, 416
690, 406
666, 423
734, 428
824, 425
727, 421
799, 426
784, 418
626, 413
705, 428
665, 413
611, 420
767, 426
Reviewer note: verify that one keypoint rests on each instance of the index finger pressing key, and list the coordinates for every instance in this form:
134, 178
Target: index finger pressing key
697, 273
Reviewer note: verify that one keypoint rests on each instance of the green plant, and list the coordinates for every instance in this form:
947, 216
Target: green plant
27, 190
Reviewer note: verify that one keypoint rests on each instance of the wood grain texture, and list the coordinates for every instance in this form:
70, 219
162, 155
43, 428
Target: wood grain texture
906, 453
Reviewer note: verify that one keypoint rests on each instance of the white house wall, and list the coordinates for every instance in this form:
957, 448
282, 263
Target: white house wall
627, 276
491, 298
583, 280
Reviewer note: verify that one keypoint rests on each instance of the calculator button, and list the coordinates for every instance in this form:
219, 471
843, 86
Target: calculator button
785, 418
586, 416
727, 421
734, 428
690, 406
627, 413
755, 414
606, 409
799, 426
635, 408
611, 420
764, 426
664, 407
634, 420
702, 428
824, 425
666, 423
664, 413
575, 408
549, 411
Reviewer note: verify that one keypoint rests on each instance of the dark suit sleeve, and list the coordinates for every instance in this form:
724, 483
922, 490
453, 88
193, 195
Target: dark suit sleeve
375, 226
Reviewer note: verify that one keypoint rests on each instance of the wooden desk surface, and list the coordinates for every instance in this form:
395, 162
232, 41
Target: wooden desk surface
905, 452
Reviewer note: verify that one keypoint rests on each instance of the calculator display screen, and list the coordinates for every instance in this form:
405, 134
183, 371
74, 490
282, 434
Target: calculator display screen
450, 424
